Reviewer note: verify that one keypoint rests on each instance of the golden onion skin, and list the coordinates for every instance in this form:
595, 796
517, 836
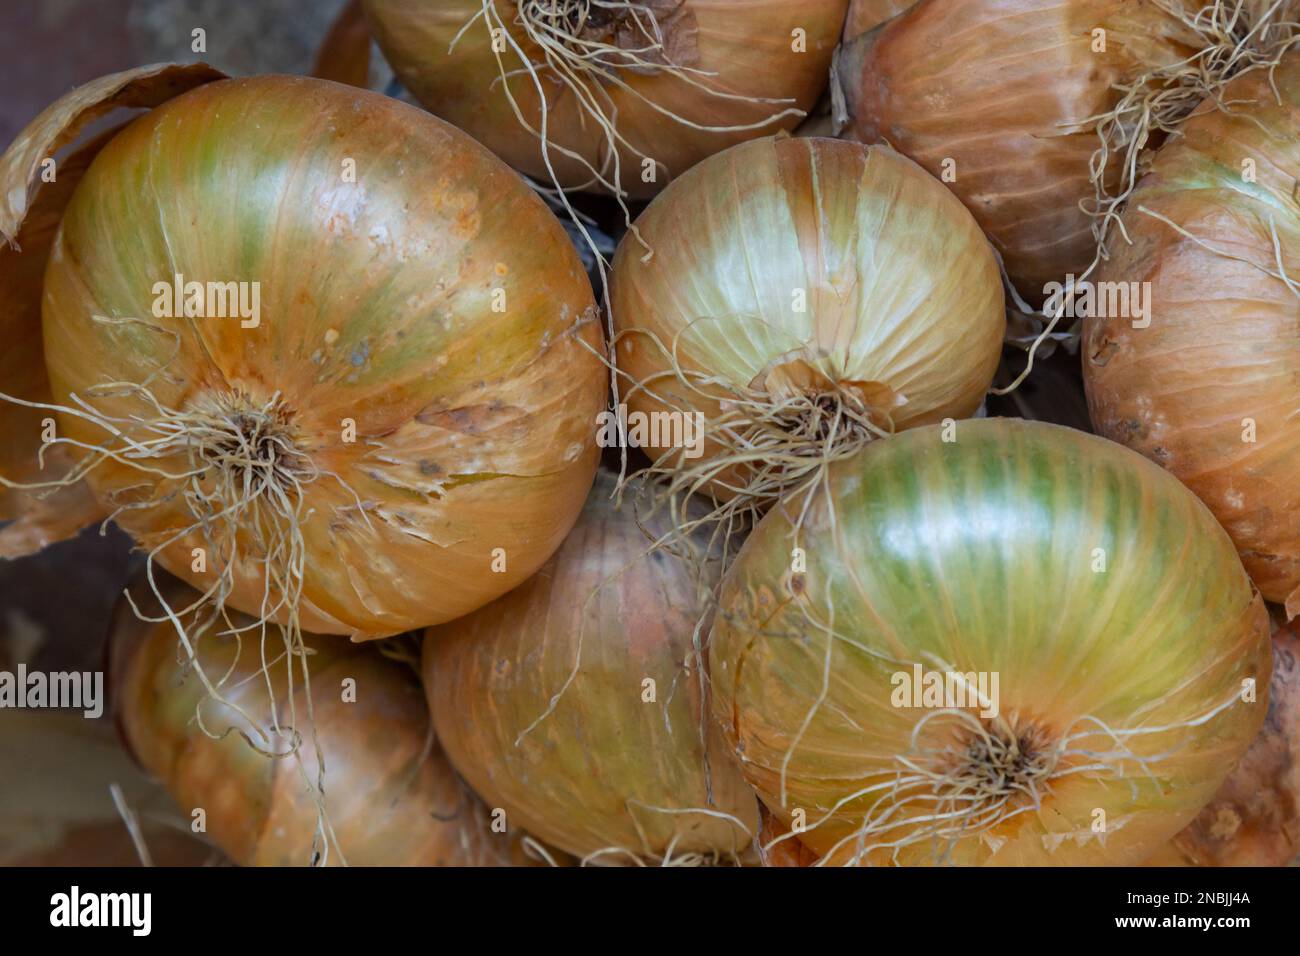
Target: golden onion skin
1254, 819
1222, 350
1005, 90
587, 777
865, 15
903, 294
474, 427
748, 49
37, 521
392, 799
980, 552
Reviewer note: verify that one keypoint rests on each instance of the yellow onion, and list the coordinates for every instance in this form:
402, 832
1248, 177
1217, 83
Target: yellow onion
1254, 819
1003, 642
1207, 384
396, 424
389, 797
576, 703
607, 94
804, 296
1040, 113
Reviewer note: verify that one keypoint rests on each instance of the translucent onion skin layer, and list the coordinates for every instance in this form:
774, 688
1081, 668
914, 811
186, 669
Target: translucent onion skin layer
391, 800
604, 770
1004, 89
1254, 819
902, 289
474, 427
981, 551
746, 47
1223, 346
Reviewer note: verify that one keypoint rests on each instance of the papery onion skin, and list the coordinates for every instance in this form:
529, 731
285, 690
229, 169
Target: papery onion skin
865, 15
37, 521
588, 776
390, 795
789, 852
981, 552
473, 426
36, 185
1004, 89
1218, 364
903, 294
748, 49
1254, 818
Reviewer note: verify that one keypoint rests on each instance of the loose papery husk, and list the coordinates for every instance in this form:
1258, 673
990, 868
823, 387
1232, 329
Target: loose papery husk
1218, 257
30, 212
1254, 818
286, 771
1047, 136
1130, 688
902, 324
540, 701
672, 81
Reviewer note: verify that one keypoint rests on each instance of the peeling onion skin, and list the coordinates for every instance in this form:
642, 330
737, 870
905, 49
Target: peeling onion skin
980, 551
474, 428
1223, 345
572, 779
388, 804
995, 85
1254, 819
747, 46
902, 289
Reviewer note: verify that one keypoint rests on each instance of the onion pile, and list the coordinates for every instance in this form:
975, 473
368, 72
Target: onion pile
1004, 564
577, 703
248, 768
318, 352
803, 297
1209, 387
606, 94
1254, 819
1040, 114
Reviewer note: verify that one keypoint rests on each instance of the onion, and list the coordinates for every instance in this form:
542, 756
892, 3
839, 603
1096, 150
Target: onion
1209, 388
804, 296
404, 429
576, 703
1041, 132
607, 94
1130, 653
780, 847
1254, 819
250, 763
